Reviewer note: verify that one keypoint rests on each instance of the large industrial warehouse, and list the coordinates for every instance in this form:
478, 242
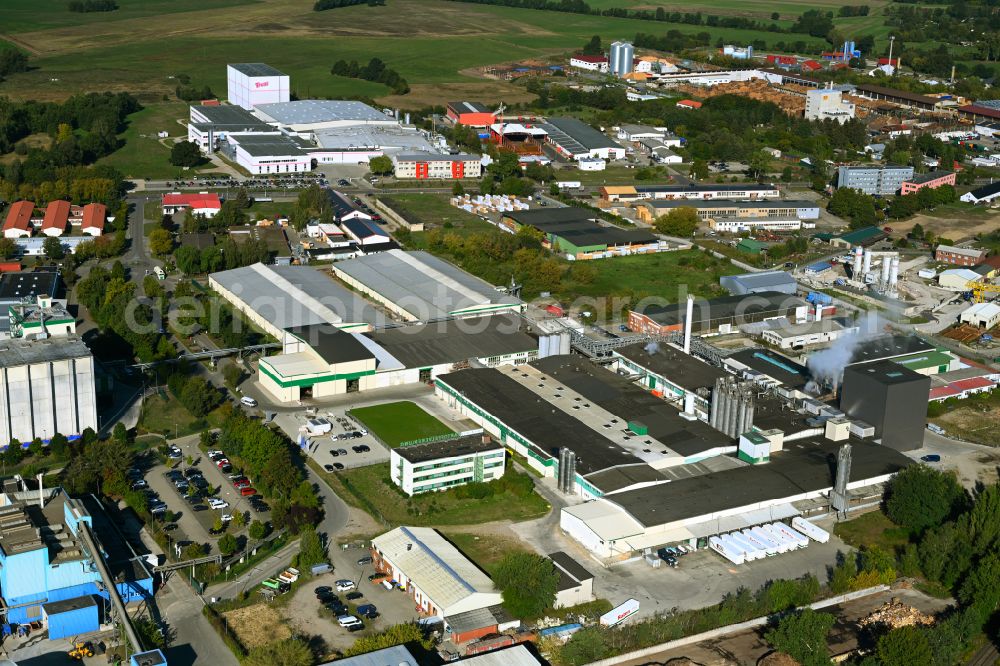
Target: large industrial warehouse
719, 315
279, 297
575, 233
417, 286
321, 360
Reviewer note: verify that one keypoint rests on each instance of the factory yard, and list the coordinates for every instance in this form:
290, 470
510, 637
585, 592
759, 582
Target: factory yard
956, 222
975, 419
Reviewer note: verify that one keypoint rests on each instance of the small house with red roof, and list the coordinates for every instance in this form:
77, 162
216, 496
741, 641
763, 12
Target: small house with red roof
95, 215
688, 104
18, 221
203, 203
56, 218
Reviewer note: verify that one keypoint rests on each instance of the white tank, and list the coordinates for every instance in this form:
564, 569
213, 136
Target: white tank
866, 269
857, 263
886, 267
894, 272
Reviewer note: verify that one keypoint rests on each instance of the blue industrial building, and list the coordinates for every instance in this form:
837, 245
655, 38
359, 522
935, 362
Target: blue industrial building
47, 573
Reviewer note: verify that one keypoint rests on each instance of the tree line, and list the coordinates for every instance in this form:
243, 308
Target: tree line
375, 71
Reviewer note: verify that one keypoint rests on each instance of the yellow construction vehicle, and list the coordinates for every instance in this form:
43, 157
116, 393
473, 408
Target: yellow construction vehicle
981, 291
81, 650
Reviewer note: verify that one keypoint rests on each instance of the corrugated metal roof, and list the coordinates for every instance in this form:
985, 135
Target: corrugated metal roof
422, 284
434, 565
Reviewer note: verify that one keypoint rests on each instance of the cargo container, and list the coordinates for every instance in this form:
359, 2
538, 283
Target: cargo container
795, 535
770, 548
817, 534
784, 545
726, 550
818, 297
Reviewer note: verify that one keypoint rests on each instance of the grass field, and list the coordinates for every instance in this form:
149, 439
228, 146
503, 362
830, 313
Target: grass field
872, 529
166, 416
663, 275
485, 551
430, 42
398, 422
145, 155
370, 489
437, 212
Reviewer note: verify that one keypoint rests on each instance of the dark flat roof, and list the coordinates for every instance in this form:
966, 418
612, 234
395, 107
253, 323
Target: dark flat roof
67, 605
469, 107
724, 307
773, 364
720, 187
527, 413
889, 346
986, 190
731, 203
621, 397
454, 340
571, 572
256, 69
929, 176
15, 286
886, 372
901, 94
683, 369
612, 480
544, 216
332, 344
458, 446
576, 136
364, 228
803, 466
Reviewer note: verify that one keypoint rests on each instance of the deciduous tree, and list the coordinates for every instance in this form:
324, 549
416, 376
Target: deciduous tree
528, 583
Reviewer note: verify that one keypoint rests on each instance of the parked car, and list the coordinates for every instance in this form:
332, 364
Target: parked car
248, 401
247, 491
139, 485
338, 466
367, 559
352, 596
241, 483
343, 585
931, 458
328, 468
368, 610
348, 621
217, 503
174, 453
376, 577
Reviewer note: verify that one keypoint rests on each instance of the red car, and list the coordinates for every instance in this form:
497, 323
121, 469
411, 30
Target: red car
222, 462
246, 491
241, 483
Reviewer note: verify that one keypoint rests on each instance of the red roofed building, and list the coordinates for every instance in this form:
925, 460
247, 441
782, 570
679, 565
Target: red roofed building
593, 63
782, 60
973, 111
471, 114
811, 66
688, 104
18, 222
56, 218
888, 61
204, 203
94, 217
962, 388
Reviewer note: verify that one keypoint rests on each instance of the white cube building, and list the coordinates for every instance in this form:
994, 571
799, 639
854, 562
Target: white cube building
46, 387
253, 83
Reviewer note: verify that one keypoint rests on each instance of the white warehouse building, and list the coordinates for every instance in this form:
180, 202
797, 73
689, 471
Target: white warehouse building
253, 83
46, 387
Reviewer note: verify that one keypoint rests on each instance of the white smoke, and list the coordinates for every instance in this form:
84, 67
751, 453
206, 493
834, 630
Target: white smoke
652, 347
826, 367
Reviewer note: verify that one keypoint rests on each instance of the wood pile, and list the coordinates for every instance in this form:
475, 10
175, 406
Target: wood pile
757, 89
894, 614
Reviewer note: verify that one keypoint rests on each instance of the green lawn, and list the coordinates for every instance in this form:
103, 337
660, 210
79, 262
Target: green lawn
485, 551
164, 415
872, 529
370, 489
397, 422
143, 154
270, 209
436, 211
664, 275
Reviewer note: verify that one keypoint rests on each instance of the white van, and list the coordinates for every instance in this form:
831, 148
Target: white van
248, 401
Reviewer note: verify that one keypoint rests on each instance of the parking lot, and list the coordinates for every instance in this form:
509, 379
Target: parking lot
321, 447
195, 519
393, 606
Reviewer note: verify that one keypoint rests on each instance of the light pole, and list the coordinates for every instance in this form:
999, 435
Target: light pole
892, 38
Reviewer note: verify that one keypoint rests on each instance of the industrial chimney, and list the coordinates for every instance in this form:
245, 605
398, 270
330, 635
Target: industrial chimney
687, 325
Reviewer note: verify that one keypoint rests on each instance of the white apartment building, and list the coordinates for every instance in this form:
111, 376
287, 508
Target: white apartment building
825, 104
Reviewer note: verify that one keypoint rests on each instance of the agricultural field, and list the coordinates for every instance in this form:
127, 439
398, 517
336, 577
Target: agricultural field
82, 52
398, 422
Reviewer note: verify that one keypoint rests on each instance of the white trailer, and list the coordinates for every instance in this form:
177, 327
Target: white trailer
768, 538
753, 550
795, 535
769, 548
726, 550
817, 534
